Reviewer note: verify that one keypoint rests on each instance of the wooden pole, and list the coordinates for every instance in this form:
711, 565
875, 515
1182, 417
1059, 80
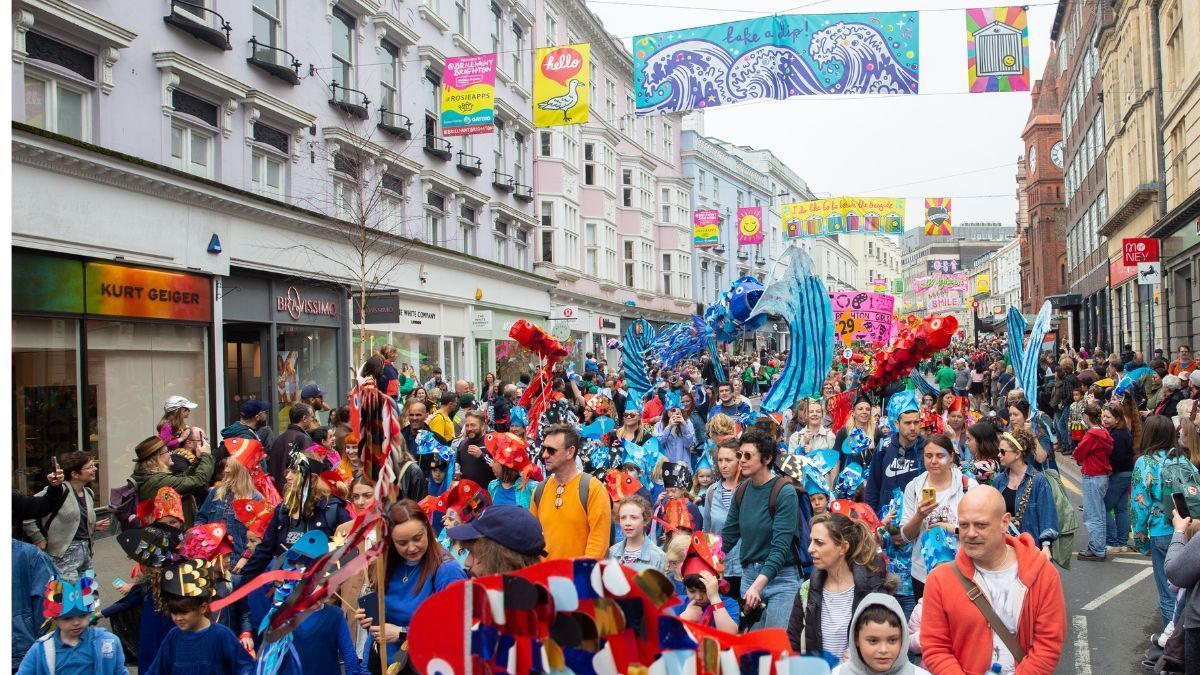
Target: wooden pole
380, 588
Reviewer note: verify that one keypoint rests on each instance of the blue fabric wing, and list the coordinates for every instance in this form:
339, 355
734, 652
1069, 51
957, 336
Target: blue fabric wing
921, 384
633, 358
803, 302
601, 426
1027, 375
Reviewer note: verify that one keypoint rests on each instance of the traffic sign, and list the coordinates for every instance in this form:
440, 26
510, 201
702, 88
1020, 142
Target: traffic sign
1136, 250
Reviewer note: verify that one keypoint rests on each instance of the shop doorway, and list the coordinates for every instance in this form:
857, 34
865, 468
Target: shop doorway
246, 369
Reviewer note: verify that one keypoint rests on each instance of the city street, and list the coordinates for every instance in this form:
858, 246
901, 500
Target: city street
1112, 606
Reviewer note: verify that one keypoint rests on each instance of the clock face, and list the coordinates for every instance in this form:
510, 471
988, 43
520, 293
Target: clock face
1032, 159
1056, 154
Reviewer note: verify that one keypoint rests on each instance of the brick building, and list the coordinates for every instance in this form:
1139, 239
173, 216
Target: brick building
1043, 248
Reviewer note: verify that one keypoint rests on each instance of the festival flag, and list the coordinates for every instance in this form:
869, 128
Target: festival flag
898, 286
879, 285
937, 217
469, 95
983, 284
776, 57
997, 49
561, 82
750, 230
843, 215
706, 229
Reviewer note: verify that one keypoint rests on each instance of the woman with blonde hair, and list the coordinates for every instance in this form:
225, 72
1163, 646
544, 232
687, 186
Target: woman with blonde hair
846, 568
218, 507
308, 504
1189, 429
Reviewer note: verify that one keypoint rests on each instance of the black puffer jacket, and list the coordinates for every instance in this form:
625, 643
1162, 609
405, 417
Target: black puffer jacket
806, 620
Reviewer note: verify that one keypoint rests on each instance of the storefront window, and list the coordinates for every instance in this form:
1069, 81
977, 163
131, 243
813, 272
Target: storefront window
303, 355
46, 396
513, 361
132, 368
420, 352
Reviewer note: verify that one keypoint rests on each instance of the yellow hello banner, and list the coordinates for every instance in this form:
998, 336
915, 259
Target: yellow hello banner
561, 82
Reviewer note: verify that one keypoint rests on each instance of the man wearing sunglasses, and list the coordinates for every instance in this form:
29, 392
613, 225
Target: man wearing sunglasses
574, 509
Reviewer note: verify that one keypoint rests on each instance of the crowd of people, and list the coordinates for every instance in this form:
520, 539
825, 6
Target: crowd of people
908, 534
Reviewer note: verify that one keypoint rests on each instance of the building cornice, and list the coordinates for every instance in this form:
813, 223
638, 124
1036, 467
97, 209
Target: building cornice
66, 156
1142, 194
77, 18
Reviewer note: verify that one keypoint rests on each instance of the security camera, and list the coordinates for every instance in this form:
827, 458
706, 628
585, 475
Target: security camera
424, 276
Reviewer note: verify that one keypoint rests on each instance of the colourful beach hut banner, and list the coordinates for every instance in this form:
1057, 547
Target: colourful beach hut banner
997, 49
843, 215
469, 95
776, 57
706, 228
750, 230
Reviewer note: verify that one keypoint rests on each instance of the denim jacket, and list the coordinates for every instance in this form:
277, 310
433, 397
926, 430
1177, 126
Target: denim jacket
31, 569
1040, 519
216, 510
1146, 498
650, 557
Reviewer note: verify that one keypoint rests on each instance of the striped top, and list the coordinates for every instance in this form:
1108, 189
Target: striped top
836, 611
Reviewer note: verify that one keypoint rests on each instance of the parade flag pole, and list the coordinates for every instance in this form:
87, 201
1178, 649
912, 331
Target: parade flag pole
380, 585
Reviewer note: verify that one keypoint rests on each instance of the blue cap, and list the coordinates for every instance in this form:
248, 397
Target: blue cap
509, 525
253, 407
312, 391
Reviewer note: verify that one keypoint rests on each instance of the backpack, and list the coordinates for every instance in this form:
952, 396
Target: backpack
123, 503
799, 544
1068, 520
1180, 476
585, 484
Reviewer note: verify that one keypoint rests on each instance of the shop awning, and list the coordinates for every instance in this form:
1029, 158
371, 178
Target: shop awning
1065, 301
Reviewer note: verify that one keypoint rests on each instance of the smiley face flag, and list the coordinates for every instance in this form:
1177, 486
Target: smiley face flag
750, 231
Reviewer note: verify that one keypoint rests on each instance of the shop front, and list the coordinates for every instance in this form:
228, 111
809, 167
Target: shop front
570, 324
606, 327
97, 348
1181, 274
426, 335
496, 352
282, 334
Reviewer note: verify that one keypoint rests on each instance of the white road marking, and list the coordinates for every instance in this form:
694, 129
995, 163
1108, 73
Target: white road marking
1083, 657
1118, 589
1132, 561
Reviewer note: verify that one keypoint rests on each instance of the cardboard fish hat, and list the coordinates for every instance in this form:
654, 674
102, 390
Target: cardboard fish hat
64, 599
254, 514
166, 503
155, 545
207, 541
192, 578
621, 484
704, 555
676, 475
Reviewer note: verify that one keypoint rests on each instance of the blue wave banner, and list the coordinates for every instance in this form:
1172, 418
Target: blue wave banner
776, 57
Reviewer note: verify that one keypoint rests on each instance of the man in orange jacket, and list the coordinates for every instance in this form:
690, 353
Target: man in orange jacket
1016, 579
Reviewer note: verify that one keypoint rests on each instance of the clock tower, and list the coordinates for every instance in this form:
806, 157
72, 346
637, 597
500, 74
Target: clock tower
1043, 240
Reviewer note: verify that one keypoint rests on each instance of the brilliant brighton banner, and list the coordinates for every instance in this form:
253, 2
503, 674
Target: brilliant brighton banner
706, 230
776, 57
469, 95
843, 215
866, 316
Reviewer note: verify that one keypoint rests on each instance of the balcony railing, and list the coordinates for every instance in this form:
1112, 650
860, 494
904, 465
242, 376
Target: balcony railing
359, 111
394, 123
436, 146
266, 57
503, 181
524, 192
186, 17
470, 163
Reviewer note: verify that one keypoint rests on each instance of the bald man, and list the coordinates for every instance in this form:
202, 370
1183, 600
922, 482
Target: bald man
1017, 581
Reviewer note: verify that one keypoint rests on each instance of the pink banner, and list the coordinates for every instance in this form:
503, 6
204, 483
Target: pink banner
750, 230
873, 310
941, 283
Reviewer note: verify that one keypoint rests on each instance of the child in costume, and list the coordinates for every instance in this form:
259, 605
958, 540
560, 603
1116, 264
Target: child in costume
707, 603
676, 510
196, 645
512, 467
73, 646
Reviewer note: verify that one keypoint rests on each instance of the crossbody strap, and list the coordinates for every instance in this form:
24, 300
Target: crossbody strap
976, 596
1024, 502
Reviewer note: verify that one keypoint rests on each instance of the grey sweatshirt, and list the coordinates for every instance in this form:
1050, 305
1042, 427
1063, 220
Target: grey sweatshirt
856, 665
1183, 570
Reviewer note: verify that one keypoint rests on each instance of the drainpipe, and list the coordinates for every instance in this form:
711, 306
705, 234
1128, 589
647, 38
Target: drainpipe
1155, 7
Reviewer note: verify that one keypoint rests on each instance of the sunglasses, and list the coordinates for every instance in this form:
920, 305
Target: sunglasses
549, 450
630, 415
746, 455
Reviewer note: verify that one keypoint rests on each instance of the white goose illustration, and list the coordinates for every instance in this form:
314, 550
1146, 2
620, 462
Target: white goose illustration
564, 102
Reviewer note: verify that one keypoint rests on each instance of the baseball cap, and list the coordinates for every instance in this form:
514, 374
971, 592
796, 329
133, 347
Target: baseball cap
253, 407
509, 525
312, 391
177, 402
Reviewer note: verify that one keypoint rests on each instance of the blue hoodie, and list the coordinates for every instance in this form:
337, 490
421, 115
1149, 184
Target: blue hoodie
893, 467
108, 657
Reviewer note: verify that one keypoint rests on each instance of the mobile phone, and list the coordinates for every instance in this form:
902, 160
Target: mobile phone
118, 582
928, 494
1181, 504
369, 603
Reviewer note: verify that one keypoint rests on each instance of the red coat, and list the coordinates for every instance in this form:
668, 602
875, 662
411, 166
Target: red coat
956, 639
1093, 452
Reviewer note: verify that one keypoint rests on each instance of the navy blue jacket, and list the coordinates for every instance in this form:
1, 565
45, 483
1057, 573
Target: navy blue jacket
893, 467
328, 513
